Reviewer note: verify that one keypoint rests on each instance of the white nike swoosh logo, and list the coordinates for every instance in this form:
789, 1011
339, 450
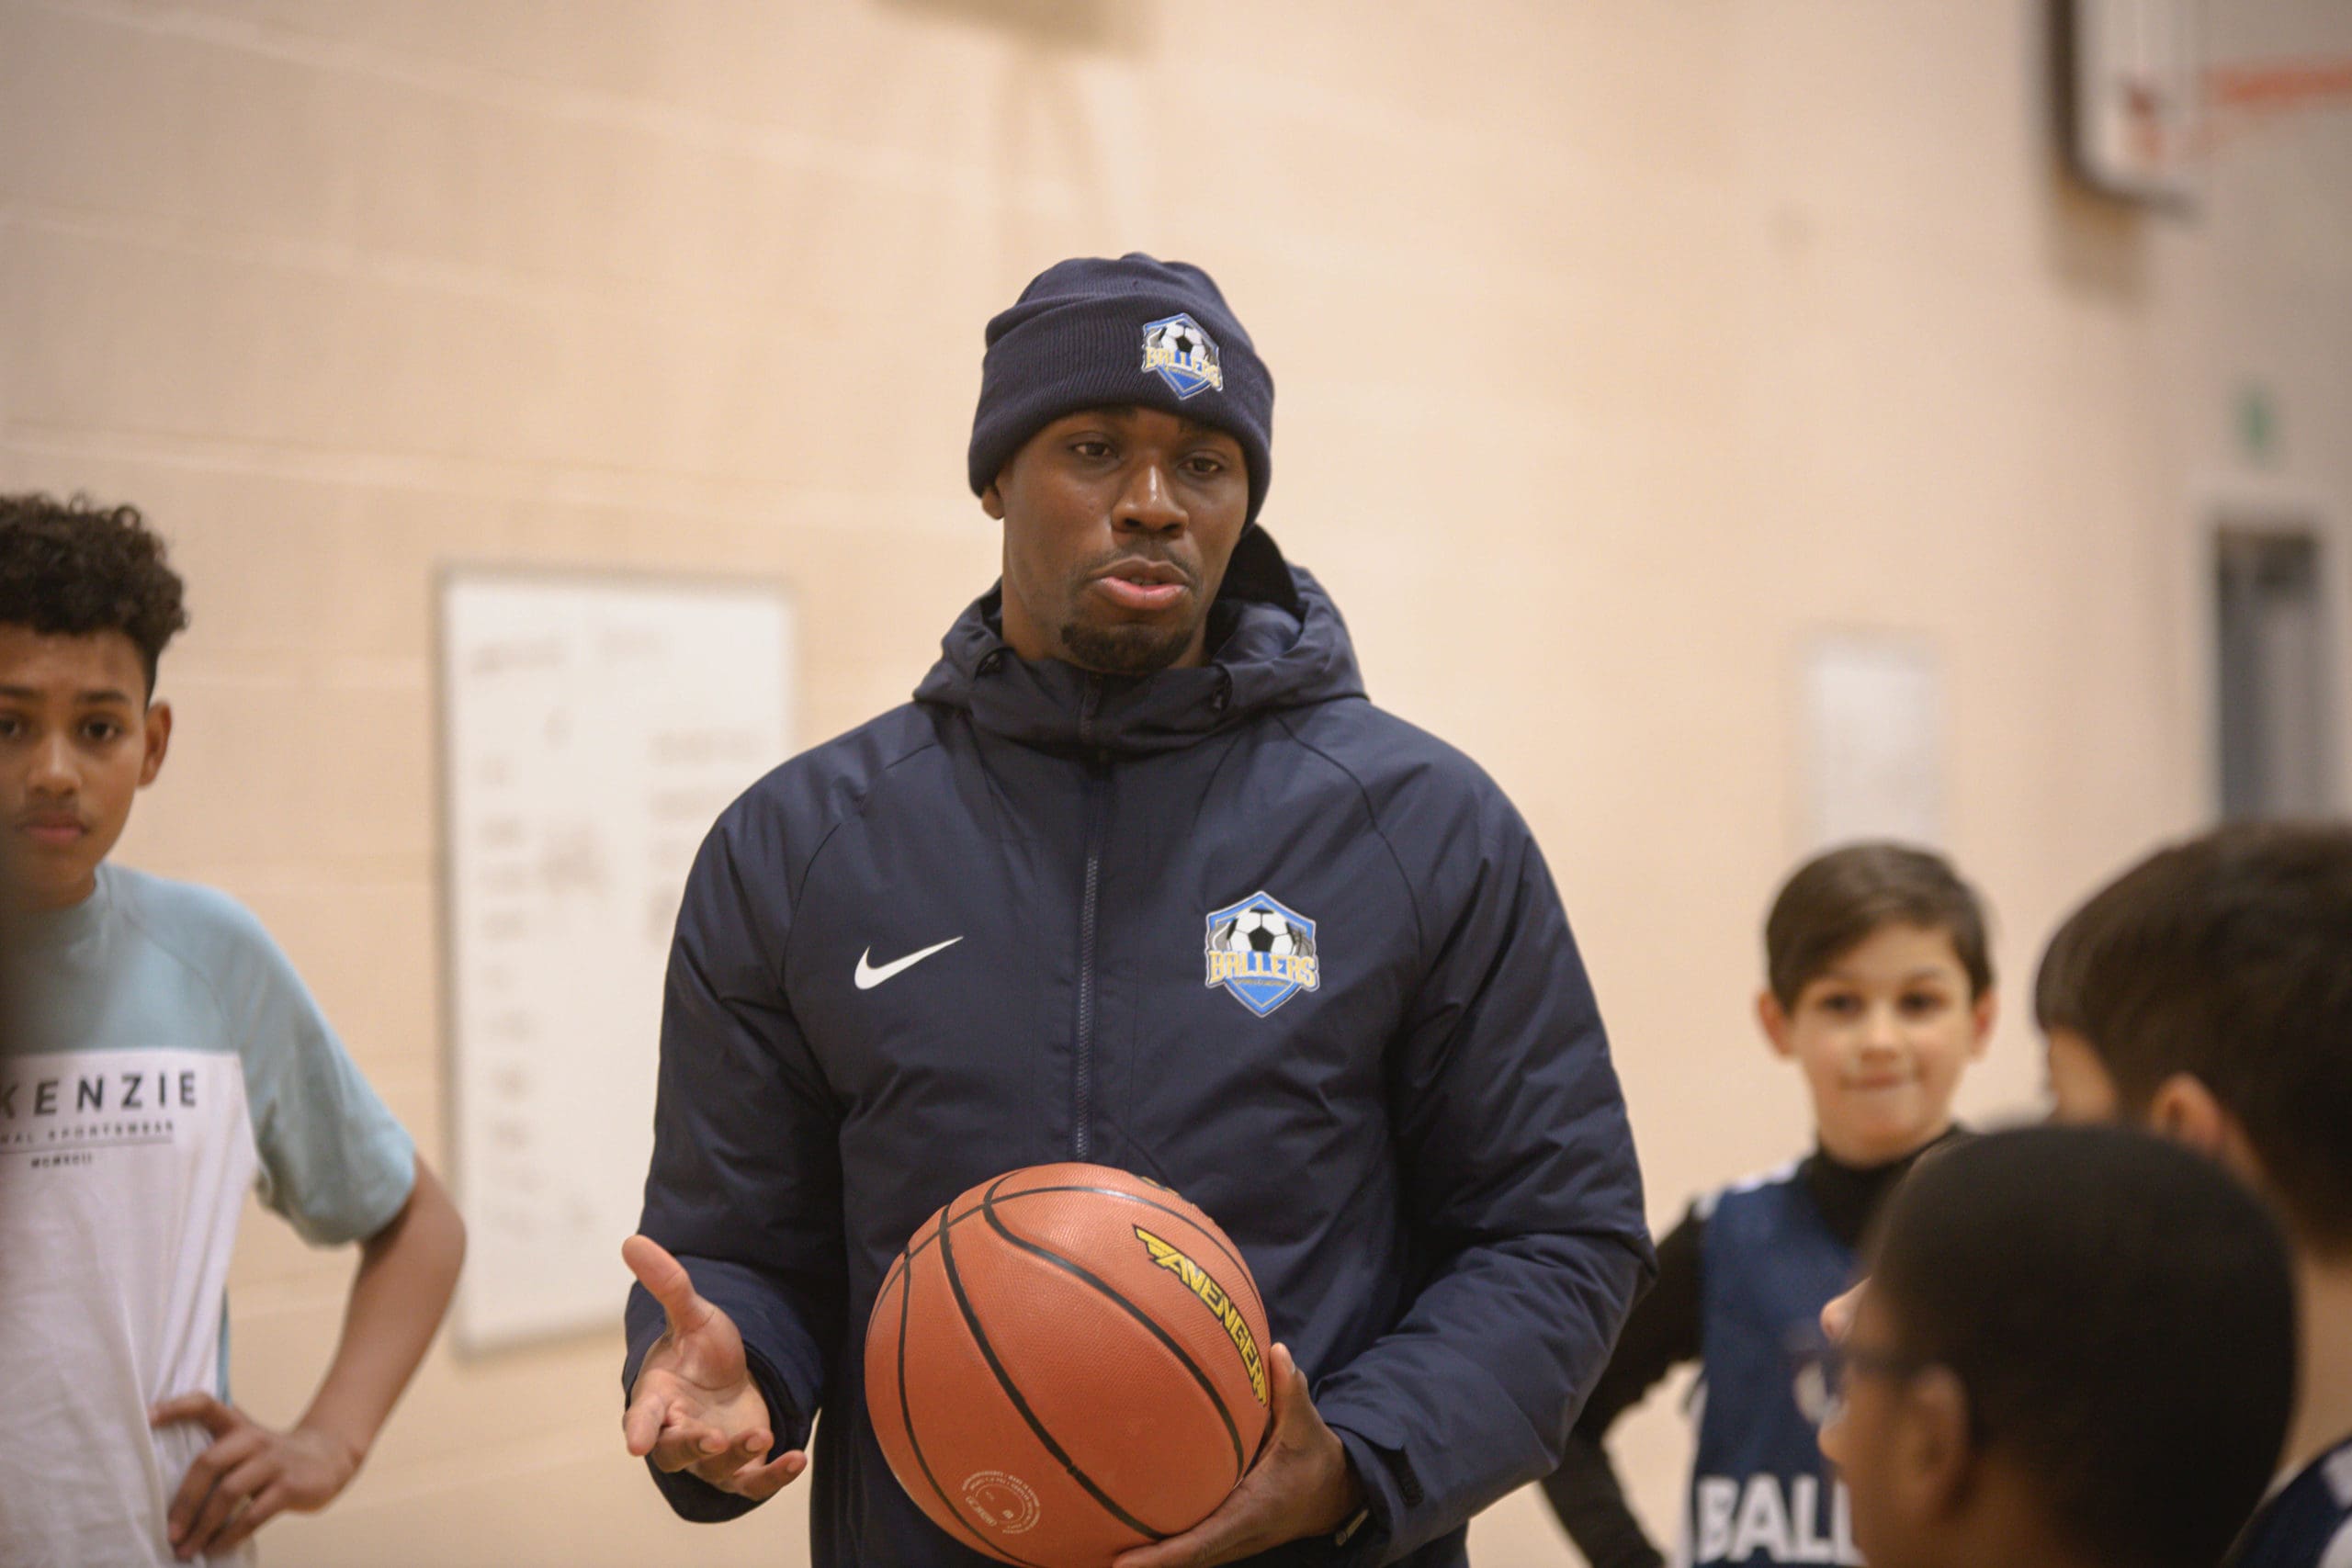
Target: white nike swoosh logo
868, 976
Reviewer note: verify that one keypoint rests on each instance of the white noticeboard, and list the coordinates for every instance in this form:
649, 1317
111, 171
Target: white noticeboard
592, 729
1873, 740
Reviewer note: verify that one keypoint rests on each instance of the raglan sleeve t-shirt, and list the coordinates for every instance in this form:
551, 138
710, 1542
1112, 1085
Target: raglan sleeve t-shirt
160, 1056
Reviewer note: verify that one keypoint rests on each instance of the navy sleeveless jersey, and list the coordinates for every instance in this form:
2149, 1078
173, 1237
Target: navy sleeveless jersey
1761, 1492
2309, 1523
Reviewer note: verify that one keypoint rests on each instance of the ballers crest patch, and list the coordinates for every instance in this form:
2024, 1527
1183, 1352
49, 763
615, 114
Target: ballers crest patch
1186, 356
1263, 951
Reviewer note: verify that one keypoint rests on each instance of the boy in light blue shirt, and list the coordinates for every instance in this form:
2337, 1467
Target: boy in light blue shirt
164, 1057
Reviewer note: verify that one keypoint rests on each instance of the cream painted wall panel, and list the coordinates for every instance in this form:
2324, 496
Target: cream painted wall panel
221, 137
1593, 88
354, 799
361, 947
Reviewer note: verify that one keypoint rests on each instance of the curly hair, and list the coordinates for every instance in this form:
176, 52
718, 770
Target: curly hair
72, 568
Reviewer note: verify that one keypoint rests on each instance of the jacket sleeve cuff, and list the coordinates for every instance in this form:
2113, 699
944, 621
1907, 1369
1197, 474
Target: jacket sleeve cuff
691, 1498
1364, 1542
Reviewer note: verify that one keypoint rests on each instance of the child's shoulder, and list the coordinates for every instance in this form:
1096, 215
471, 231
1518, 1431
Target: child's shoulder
1706, 1204
202, 927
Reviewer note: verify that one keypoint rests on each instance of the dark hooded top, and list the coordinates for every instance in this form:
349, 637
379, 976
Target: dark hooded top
1424, 1158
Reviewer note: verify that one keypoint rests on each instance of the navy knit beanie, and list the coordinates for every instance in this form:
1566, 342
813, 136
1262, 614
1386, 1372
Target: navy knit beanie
1136, 331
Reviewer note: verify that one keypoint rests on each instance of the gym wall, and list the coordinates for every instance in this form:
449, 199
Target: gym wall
1621, 349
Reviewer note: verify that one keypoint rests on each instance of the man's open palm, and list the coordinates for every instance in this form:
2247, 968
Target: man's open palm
694, 1406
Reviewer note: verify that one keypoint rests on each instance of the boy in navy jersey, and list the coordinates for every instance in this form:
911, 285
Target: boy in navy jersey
1880, 991
2075, 1350
2207, 994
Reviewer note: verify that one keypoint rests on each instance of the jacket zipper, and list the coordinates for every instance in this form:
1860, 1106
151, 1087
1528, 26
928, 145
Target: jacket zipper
1083, 1045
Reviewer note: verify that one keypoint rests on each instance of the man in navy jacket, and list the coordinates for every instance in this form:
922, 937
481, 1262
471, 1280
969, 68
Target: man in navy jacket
997, 926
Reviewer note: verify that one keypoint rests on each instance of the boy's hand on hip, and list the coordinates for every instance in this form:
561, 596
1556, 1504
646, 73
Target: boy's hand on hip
249, 1475
694, 1406
1301, 1485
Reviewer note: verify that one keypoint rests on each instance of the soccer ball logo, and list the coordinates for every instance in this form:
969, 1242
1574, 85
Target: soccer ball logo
1263, 953
1182, 354
1257, 930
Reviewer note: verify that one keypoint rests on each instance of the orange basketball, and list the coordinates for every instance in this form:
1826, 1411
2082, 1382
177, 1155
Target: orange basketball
1065, 1362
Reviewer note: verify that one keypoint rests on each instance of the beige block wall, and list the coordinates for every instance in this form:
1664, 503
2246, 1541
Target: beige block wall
1621, 349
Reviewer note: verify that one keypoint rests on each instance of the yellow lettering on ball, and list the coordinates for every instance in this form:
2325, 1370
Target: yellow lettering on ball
1213, 1297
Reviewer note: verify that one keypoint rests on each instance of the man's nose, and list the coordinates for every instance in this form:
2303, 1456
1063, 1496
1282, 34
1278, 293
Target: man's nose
1150, 501
53, 770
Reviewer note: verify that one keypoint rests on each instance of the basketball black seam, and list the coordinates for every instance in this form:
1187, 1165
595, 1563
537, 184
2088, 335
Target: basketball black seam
906, 1419
947, 1219
1232, 1432
1207, 1235
1004, 1381
1223, 1250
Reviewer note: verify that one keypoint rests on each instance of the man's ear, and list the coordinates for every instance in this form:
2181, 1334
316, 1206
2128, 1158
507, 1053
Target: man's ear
1773, 1019
2185, 1111
991, 502
159, 740
1932, 1455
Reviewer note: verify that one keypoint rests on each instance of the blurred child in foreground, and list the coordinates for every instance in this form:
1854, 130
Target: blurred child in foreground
2076, 1349
2206, 995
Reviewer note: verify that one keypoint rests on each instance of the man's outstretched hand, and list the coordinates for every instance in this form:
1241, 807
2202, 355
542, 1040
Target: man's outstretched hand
694, 1406
1300, 1486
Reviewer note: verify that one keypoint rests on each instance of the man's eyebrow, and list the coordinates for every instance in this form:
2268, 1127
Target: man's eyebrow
95, 695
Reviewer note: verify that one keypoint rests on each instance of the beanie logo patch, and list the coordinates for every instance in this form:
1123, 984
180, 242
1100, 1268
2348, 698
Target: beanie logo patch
1183, 356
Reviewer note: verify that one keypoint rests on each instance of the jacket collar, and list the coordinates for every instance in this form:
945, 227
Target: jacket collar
1275, 641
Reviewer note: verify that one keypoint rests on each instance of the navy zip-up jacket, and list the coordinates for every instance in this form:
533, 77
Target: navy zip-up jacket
1424, 1158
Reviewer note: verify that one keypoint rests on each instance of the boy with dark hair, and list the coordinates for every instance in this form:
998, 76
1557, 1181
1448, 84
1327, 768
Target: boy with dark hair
170, 1058
2075, 1350
1880, 988
2207, 994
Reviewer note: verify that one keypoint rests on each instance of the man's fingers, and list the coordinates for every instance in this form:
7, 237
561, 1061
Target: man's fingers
687, 1444
1233, 1530
266, 1505
1286, 1495
760, 1482
717, 1458
218, 1418
1204, 1544
750, 1446
1237, 1529
642, 1424
1287, 1387
664, 1278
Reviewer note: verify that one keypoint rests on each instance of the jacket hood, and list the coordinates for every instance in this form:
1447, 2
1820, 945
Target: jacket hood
1275, 641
